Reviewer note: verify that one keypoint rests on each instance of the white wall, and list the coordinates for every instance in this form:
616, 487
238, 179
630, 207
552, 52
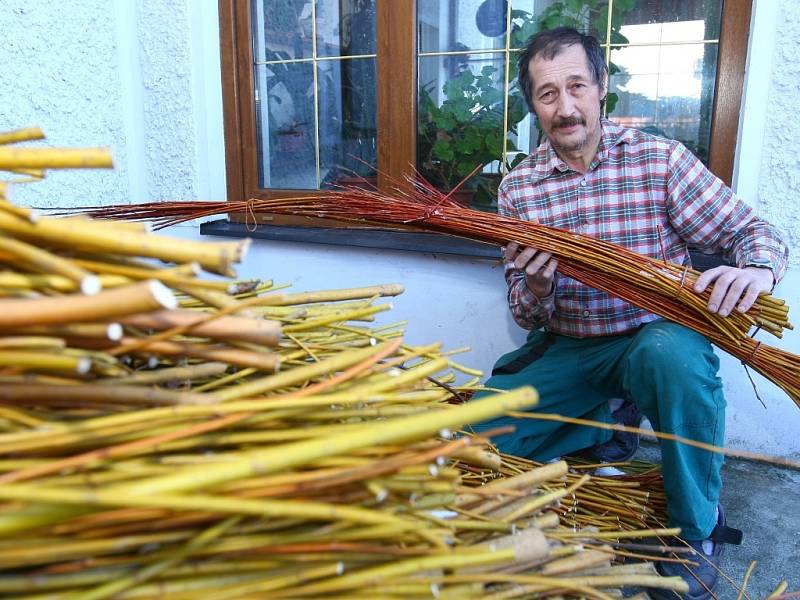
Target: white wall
142, 76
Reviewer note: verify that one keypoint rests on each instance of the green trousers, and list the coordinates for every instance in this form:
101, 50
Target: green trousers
668, 371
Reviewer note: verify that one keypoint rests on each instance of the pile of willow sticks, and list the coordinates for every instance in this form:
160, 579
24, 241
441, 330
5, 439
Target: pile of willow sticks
164, 434
655, 285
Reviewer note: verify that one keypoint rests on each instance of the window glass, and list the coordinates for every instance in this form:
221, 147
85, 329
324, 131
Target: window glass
315, 92
345, 28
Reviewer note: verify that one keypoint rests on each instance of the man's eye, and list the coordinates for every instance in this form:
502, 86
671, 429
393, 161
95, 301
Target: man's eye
546, 96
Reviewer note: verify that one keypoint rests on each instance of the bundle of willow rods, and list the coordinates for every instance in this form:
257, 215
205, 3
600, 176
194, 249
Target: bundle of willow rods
660, 287
163, 435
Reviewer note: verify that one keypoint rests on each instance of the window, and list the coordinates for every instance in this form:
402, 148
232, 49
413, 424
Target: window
321, 92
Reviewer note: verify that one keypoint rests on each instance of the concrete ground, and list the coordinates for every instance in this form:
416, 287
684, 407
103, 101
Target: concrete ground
764, 502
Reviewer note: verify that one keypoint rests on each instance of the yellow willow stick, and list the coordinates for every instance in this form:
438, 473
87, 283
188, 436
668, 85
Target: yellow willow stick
201, 540
44, 361
274, 459
588, 582
291, 508
140, 297
25, 134
226, 380
103, 331
270, 581
373, 575
212, 298
188, 373
93, 236
777, 460
55, 158
541, 501
59, 283
31, 341
20, 417
170, 276
17, 211
664, 532
261, 360
345, 316
391, 289
88, 393
338, 362
50, 263
256, 331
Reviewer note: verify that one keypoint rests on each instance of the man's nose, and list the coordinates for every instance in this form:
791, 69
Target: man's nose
566, 104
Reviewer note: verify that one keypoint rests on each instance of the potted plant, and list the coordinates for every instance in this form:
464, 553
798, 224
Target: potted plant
466, 131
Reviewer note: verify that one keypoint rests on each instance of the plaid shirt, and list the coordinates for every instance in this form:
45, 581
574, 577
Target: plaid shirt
646, 193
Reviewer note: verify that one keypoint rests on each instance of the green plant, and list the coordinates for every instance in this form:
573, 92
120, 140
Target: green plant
466, 130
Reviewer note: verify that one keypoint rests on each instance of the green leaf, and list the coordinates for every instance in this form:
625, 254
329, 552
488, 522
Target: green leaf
611, 102
518, 159
464, 168
443, 150
574, 5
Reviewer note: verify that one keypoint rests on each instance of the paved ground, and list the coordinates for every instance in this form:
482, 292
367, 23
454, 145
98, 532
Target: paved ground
764, 502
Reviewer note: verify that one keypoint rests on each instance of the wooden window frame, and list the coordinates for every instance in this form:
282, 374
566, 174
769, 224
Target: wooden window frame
397, 98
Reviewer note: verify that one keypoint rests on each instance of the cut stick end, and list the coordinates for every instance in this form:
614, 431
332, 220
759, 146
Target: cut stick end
90, 285
243, 248
114, 332
84, 365
163, 294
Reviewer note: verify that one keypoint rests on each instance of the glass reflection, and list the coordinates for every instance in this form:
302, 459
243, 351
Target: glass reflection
283, 30
348, 135
659, 21
345, 27
286, 126
667, 90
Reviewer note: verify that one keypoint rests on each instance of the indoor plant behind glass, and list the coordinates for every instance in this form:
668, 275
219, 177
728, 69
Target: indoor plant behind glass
466, 131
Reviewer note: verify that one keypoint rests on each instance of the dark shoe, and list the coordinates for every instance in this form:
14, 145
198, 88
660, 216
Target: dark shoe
703, 574
622, 445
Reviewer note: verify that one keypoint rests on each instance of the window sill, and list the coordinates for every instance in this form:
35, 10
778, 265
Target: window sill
384, 239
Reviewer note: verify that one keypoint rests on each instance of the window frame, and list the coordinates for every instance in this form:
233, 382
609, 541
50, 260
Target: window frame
396, 90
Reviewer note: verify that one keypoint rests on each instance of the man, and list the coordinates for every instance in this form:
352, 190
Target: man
652, 196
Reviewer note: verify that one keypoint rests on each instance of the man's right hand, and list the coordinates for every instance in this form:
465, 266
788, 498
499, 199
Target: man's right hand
539, 267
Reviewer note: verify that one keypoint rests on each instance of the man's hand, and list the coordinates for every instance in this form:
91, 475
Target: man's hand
734, 287
539, 267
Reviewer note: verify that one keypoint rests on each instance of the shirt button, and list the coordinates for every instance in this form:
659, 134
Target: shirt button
583, 182
586, 313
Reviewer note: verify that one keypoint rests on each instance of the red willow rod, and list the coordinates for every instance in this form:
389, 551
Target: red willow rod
654, 285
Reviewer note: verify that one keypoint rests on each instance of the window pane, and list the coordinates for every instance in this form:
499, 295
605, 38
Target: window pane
345, 27
667, 90
453, 25
285, 116
659, 21
283, 29
589, 15
348, 149
461, 108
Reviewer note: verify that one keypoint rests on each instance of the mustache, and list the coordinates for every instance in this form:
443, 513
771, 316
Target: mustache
569, 122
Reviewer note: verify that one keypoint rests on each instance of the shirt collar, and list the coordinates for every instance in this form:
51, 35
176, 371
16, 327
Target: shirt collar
546, 161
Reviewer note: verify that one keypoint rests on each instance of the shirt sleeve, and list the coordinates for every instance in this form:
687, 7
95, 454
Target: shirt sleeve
707, 214
529, 311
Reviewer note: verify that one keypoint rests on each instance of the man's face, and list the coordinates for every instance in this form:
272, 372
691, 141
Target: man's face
566, 99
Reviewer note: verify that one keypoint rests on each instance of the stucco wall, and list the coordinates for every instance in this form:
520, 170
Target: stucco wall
779, 183
59, 71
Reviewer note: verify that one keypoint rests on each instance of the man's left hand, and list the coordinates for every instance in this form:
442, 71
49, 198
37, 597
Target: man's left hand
734, 287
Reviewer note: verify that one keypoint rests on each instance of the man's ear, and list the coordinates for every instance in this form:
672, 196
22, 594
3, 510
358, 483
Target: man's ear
604, 87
